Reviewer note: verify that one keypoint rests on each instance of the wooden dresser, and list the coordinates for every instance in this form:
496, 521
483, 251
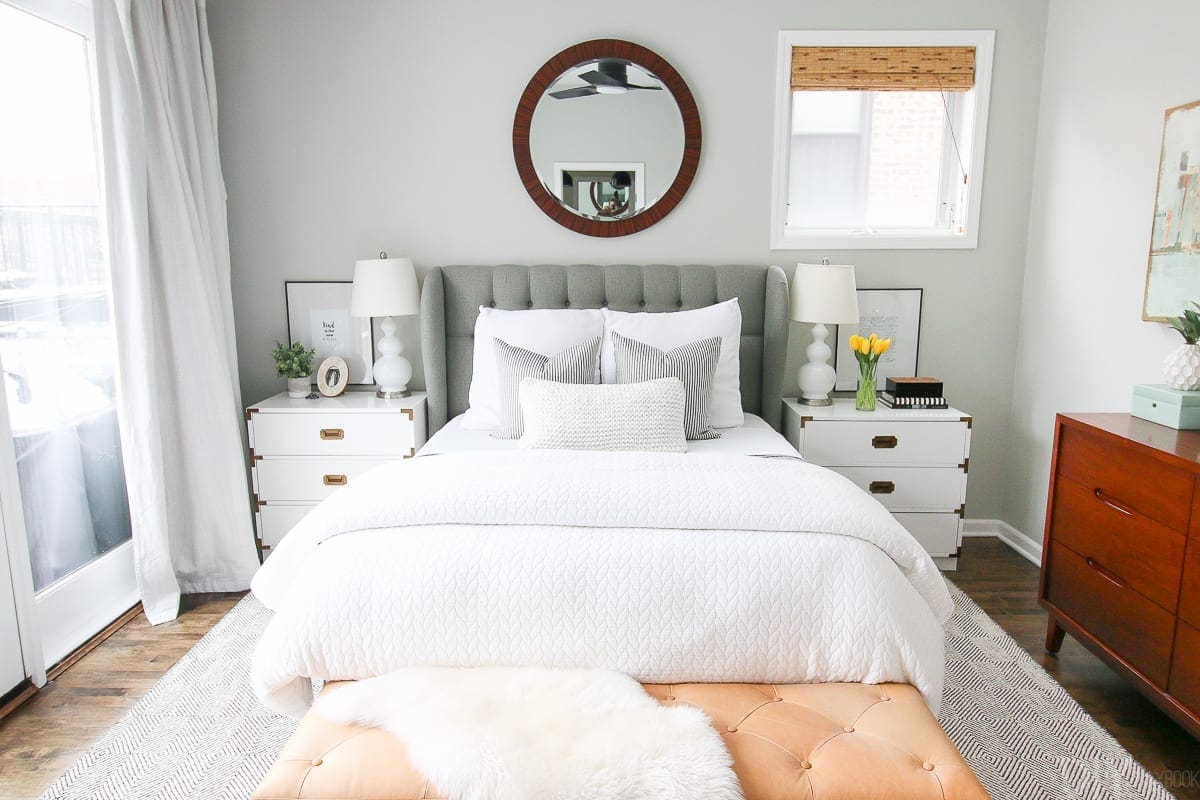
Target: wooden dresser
1121, 557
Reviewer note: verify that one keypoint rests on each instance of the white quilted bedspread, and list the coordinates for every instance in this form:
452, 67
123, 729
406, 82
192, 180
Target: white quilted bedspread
667, 567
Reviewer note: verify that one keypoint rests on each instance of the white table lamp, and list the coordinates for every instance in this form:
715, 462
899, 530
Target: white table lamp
387, 287
823, 294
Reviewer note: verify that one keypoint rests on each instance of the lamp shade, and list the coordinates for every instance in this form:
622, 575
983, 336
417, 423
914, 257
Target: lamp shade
824, 293
384, 287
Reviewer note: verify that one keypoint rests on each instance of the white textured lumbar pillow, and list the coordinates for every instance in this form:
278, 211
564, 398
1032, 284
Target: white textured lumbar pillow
604, 416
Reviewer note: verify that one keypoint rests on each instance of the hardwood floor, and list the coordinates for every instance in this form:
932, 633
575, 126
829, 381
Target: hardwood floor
42, 738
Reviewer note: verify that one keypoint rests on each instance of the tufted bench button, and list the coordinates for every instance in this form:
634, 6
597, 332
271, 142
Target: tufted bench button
641, 303
679, 304
927, 767
806, 764
529, 304
732, 729
777, 700
848, 729
491, 304
316, 762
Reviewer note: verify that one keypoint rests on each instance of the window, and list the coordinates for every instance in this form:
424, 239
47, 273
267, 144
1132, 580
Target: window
880, 139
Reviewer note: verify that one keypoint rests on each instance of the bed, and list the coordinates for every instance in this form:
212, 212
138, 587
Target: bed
734, 562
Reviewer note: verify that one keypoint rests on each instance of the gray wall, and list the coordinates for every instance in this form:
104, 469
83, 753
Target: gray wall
351, 127
1083, 345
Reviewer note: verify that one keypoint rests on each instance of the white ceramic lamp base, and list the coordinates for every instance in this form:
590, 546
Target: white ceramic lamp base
392, 370
817, 378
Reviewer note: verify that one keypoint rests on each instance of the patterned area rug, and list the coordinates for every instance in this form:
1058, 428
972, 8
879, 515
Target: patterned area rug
199, 733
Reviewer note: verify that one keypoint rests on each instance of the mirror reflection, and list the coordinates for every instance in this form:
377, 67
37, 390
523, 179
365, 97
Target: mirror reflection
607, 139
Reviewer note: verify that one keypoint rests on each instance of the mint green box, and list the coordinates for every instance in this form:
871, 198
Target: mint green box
1160, 403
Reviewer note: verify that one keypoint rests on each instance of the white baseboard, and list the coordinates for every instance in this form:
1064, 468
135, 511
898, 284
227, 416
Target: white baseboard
1025, 545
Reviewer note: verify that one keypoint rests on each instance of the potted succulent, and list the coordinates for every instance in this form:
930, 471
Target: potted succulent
294, 362
1181, 369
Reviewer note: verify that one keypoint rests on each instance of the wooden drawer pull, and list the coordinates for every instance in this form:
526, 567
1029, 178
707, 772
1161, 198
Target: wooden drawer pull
332, 433
882, 487
334, 480
1103, 573
1109, 501
884, 442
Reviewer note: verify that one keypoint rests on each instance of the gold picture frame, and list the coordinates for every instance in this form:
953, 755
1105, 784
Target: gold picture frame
1173, 270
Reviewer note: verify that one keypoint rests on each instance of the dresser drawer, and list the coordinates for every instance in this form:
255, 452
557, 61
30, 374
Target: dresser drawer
1189, 597
274, 521
937, 533
885, 442
911, 488
1126, 477
1185, 667
307, 479
1143, 554
332, 434
1134, 628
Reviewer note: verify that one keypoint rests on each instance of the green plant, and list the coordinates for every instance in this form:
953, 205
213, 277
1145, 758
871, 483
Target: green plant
294, 361
1188, 325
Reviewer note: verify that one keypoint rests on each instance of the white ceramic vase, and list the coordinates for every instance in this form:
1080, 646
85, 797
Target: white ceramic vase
299, 388
1181, 368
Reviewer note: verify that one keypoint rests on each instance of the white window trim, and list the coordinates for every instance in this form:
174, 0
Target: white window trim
785, 238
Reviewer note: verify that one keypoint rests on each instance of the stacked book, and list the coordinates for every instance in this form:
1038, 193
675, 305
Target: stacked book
913, 393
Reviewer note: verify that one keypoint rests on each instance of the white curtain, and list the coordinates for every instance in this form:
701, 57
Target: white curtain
179, 398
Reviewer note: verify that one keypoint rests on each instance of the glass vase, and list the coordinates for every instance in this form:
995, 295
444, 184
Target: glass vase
864, 399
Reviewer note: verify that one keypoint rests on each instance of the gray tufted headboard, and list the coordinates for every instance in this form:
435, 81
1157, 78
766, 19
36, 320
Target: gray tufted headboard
451, 297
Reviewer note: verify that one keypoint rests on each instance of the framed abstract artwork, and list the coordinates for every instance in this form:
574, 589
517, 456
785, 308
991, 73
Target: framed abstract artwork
318, 316
892, 314
1173, 274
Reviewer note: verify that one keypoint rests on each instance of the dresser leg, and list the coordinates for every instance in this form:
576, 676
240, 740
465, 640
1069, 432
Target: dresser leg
1054, 635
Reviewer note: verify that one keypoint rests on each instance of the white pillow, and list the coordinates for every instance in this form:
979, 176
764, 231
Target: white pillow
599, 416
545, 331
670, 330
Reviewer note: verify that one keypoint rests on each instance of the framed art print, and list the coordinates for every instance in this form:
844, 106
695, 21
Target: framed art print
318, 316
1173, 274
892, 314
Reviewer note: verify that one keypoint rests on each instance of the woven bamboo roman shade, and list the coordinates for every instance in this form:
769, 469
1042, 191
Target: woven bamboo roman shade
879, 69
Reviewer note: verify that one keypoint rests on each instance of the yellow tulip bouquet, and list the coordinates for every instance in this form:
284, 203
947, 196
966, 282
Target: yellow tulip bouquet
867, 349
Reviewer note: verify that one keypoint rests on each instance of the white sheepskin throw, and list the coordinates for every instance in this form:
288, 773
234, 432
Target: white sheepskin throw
531, 733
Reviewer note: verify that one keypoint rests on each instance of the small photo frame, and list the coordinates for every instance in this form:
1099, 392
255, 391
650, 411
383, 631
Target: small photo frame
318, 316
891, 314
332, 376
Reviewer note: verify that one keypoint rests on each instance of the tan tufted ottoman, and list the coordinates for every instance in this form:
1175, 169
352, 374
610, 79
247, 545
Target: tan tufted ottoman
833, 741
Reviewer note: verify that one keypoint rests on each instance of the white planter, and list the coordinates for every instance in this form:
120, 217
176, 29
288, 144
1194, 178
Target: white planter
1181, 368
299, 388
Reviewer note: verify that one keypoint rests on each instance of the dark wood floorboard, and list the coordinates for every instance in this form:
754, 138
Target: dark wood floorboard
42, 738
45, 736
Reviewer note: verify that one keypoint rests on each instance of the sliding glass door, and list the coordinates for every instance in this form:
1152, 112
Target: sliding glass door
57, 346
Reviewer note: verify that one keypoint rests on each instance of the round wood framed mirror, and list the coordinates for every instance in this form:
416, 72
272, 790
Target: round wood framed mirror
607, 138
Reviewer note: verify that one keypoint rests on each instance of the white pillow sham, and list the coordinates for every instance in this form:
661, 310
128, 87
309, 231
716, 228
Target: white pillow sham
669, 330
545, 331
599, 416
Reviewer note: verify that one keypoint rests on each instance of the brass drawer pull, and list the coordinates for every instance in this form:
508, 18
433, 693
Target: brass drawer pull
332, 433
1112, 503
884, 442
882, 487
1103, 573
334, 480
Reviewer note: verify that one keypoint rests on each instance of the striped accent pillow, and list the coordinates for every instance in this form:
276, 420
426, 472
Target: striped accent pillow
694, 364
576, 364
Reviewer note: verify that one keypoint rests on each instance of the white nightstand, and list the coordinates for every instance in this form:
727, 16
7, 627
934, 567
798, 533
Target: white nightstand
914, 462
301, 451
